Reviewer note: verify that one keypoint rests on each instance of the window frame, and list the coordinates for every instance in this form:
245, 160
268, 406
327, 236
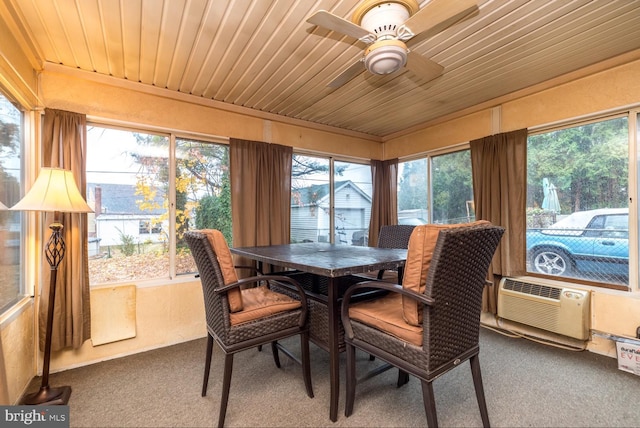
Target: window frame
172, 136
28, 254
429, 155
332, 159
633, 145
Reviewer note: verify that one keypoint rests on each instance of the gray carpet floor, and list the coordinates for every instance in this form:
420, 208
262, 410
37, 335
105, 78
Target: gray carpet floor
527, 384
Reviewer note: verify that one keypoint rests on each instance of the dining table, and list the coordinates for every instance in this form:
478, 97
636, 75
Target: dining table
332, 263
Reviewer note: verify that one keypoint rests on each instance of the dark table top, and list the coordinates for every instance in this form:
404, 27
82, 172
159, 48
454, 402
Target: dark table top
329, 260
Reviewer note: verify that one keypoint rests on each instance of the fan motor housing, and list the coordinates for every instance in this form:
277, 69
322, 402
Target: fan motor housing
374, 15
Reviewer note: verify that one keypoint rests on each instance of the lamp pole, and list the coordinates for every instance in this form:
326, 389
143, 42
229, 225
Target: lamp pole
54, 252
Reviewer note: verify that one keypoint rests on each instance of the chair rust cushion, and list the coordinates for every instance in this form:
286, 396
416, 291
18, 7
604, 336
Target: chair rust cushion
225, 260
260, 302
385, 314
421, 245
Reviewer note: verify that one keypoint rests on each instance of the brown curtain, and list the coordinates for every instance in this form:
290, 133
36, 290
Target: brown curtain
384, 198
260, 192
500, 187
64, 146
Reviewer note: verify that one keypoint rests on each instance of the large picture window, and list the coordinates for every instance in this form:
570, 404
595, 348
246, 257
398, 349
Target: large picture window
127, 185
436, 189
452, 188
203, 194
312, 199
578, 202
137, 228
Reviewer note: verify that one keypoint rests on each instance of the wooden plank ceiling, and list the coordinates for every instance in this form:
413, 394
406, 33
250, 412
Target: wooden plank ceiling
263, 55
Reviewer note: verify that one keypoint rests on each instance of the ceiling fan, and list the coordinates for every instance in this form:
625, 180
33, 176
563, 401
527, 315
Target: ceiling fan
385, 25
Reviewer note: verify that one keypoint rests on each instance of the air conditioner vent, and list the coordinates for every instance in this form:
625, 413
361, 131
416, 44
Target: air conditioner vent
546, 306
532, 289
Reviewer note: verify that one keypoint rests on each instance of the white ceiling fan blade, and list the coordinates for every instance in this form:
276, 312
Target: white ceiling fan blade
422, 67
438, 15
333, 22
348, 74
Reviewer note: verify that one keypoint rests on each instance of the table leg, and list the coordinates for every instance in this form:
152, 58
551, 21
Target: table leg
334, 353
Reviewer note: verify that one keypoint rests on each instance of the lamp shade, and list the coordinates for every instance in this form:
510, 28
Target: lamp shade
54, 190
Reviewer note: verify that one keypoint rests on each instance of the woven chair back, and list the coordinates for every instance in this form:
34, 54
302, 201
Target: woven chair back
456, 280
395, 236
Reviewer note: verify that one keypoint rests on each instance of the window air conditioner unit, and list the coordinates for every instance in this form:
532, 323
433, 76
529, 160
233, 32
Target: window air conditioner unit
538, 303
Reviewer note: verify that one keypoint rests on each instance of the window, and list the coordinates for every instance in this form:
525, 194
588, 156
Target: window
452, 188
127, 184
310, 214
11, 126
149, 227
578, 202
413, 207
136, 230
312, 219
203, 194
448, 188
352, 201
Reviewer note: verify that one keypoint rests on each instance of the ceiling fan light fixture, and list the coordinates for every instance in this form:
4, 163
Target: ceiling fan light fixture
385, 56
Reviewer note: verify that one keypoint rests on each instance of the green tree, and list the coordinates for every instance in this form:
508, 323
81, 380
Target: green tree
214, 211
587, 164
452, 186
201, 169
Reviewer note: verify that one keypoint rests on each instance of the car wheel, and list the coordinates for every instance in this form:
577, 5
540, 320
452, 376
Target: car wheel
550, 261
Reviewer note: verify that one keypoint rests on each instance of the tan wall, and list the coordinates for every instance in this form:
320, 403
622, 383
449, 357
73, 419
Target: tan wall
611, 89
164, 315
441, 135
137, 104
17, 340
600, 92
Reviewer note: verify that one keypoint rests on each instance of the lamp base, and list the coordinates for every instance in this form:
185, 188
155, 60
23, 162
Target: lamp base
48, 396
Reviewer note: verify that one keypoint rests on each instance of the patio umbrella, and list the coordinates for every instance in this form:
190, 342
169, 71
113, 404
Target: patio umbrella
550, 201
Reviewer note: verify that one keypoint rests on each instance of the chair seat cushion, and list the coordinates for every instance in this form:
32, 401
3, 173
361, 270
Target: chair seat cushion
385, 314
260, 302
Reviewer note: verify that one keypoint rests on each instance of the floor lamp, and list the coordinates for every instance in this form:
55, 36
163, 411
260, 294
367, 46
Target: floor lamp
55, 191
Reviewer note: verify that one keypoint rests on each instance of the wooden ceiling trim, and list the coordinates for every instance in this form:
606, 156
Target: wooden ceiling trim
112, 22
96, 53
200, 48
246, 66
168, 42
251, 22
220, 58
189, 31
279, 85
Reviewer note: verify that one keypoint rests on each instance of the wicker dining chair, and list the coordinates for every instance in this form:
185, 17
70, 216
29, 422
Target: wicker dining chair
239, 317
430, 324
391, 236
